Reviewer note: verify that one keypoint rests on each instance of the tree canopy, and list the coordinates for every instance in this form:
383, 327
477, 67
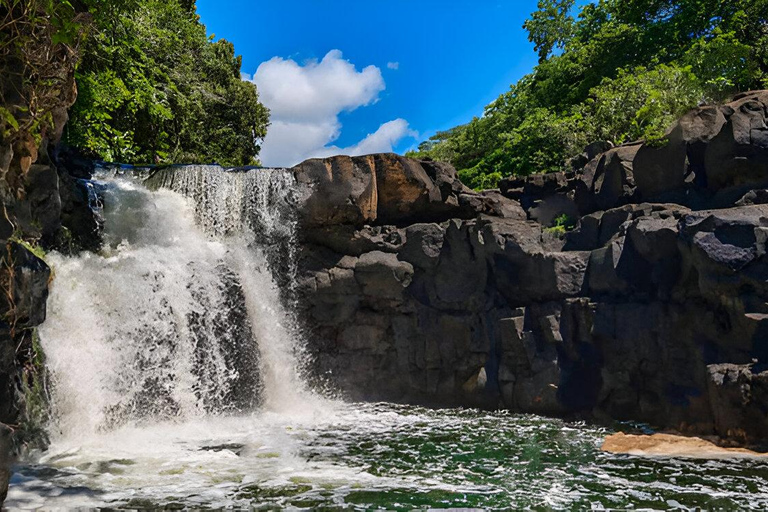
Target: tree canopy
154, 87
39, 42
620, 70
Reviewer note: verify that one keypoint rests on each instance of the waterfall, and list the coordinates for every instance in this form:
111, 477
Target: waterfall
256, 207
182, 313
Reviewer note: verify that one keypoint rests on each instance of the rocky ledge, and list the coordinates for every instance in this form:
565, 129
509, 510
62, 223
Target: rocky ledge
653, 309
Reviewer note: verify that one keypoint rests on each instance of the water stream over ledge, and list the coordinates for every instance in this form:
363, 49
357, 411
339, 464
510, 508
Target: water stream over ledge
177, 382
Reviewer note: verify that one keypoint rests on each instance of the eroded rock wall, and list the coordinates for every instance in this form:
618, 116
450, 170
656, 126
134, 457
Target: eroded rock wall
653, 309
42, 207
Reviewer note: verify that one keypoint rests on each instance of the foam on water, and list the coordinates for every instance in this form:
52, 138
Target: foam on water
365, 456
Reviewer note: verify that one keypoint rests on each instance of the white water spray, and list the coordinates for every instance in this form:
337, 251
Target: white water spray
255, 209
180, 317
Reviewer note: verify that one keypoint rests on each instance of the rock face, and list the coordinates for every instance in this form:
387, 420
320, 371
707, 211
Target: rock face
52, 210
43, 208
388, 189
654, 309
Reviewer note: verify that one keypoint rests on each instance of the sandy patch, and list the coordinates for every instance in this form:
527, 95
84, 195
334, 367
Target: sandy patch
668, 445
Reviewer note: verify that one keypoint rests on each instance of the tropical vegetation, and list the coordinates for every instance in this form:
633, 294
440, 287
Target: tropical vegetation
620, 70
154, 87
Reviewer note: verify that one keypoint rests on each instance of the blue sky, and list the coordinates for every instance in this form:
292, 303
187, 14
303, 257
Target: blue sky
398, 70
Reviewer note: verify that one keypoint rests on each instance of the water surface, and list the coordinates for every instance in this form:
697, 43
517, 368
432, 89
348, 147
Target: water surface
364, 456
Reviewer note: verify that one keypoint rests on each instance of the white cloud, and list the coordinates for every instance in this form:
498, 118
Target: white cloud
393, 65
305, 102
381, 141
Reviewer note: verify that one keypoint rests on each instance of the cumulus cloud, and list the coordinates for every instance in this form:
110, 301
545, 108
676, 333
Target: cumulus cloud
305, 102
393, 65
380, 141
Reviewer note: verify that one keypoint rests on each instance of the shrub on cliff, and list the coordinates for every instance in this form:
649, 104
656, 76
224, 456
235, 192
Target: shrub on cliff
624, 69
39, 42
153, 87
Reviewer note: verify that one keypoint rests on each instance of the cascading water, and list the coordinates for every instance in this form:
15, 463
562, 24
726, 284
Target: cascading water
252, 209
176, 369
180, 316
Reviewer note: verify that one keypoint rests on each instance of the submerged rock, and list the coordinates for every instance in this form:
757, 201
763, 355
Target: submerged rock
670, 445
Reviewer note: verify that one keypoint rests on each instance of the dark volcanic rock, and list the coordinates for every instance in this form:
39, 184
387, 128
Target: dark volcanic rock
340, 190
647, 311
388, 189
738, 154
42, 213
6, 445
614, 182
739, 398
680, 158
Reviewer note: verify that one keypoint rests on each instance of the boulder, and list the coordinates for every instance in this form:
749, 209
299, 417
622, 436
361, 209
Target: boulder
348, 240
42, 212
423, 245
490, 202
29, 291
614, 182
546, 196
459, 278
382, 275
725, 241
389, 189
406, 190
759, 196
738, 395
738, 154
550, 208
679, 158
338, 190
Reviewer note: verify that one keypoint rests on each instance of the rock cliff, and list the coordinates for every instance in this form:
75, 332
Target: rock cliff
653, 309
40, 202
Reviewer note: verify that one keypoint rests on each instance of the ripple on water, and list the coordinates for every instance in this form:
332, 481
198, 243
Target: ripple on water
362, 456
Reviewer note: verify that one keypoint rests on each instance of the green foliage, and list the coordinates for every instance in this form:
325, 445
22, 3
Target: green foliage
39, 44
29, 243
154, 88
561, 225
550, 27
32, 247
724, 65
626, 70
640, 103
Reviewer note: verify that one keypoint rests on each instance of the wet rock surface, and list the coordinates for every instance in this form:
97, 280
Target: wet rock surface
44, 208
653, 309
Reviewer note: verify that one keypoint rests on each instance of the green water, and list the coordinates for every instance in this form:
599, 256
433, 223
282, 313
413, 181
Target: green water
379, 456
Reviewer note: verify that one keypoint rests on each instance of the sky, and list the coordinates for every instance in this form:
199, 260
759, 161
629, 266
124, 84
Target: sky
366, 76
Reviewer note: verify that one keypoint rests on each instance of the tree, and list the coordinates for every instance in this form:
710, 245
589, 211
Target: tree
550, 27
626, 69
155, 88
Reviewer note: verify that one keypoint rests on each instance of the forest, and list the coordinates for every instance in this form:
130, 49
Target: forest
152, 85
617, 71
